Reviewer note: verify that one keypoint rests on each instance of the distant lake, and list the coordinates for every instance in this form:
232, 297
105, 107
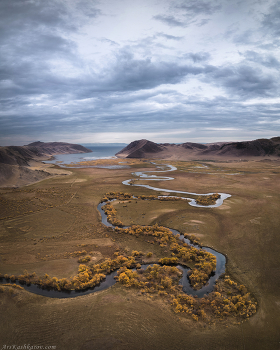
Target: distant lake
99, 151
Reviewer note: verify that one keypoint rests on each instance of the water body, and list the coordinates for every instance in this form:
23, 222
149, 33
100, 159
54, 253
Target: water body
99, 151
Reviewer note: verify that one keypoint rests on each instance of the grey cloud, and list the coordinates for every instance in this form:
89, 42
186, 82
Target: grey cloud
129, 73
48, 44
32, 39
245, 38
183, 14
271, 20
88, 8
21, 15
111, 42
33, 77
111, 110
168, 36
127, 92
203, 22
265, 34
28, 27
266, 60
147, 45
170, 20
198, 56
244, 81
194, 7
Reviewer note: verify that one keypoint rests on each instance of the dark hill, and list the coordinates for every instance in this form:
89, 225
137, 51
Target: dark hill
139, 149
187, 151
22, 155
15, 161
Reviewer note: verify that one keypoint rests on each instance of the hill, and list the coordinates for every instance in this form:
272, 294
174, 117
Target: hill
261, 148
22, 155
19, 165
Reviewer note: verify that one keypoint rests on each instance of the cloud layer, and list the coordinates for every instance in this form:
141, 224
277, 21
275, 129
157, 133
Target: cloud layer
104, 71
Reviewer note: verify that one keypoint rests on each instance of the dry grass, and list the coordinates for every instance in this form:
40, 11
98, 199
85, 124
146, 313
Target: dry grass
58, 216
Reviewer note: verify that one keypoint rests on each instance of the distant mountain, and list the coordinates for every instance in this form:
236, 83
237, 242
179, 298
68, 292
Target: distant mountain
15, 161
138, 149
191, 151
22, 155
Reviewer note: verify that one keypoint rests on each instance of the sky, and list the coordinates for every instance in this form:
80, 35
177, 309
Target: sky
86, 71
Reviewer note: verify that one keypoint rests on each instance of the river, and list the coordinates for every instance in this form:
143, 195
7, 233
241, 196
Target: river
184, 281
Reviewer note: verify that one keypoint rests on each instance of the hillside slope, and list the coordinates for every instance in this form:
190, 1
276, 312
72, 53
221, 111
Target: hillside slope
15, 161
190, 151
22, 155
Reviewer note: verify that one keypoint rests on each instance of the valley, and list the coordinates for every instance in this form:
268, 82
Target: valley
46, 227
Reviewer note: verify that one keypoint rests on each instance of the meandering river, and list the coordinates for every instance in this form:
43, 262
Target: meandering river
109, 280
143, 175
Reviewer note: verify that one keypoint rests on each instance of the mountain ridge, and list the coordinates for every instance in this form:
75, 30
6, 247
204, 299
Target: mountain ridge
20, 165
22, 155
191, 151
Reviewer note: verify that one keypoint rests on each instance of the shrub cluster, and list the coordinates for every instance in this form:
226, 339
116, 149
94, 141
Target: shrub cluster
111, 213
155, 279
208, 200
228, 299
87, 277
116, 195
83, 260
126, 196
205, 263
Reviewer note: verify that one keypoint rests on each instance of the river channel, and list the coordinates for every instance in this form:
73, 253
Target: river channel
184, 281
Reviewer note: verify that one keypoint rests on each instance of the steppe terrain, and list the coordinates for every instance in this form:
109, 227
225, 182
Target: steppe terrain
46, 225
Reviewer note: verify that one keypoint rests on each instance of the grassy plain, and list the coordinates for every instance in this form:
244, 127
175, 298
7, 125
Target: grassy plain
44, 226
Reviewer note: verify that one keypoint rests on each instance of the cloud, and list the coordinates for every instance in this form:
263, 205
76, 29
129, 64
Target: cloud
34, 47
198, 56
263, 28
20, 16
183, 14
111, 42
65, 71
168, 36
271, 20
194, 7
244, 81
246, 37
30, 28
170, 20
129, 73
267, 60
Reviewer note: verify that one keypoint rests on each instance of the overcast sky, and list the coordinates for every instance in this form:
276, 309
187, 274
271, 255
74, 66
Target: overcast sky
120, 70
